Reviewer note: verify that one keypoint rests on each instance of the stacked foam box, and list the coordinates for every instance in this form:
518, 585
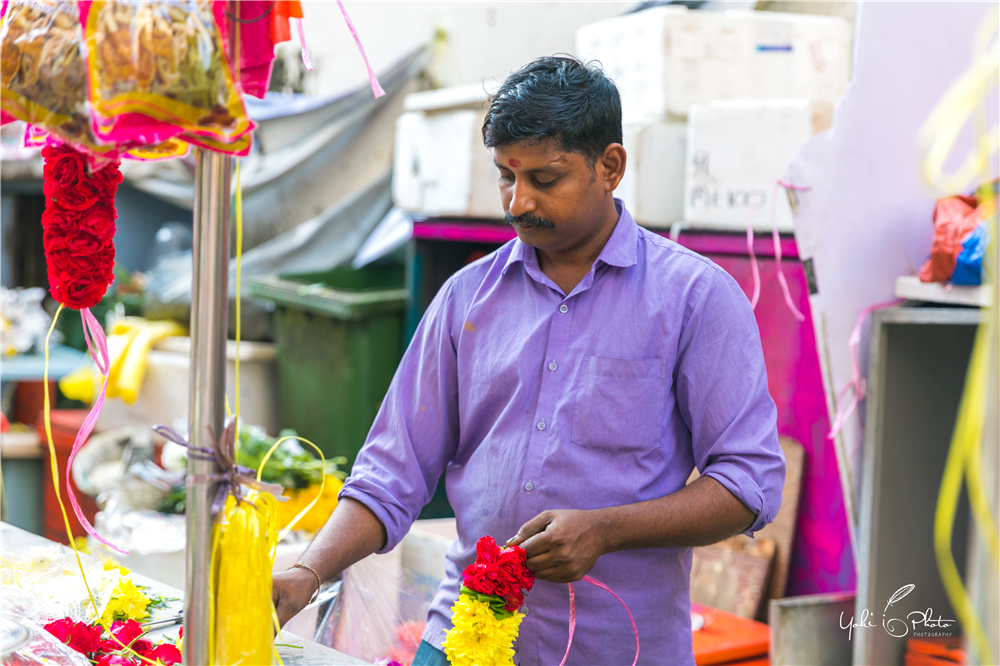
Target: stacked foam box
666, 59
737, 151
440, 165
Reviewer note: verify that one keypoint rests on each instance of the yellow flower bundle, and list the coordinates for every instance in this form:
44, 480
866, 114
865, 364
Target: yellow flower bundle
244, 622
479, 638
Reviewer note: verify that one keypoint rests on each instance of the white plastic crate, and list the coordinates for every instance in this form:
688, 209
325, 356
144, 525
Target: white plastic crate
441, 166
665, 59
737, 149
653, 185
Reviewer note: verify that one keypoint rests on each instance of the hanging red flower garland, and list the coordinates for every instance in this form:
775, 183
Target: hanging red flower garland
79, 231
79, 222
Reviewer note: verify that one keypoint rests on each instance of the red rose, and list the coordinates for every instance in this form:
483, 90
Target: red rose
80, 196
80, 244
142, 647
106, 181
487, 550
99, 221
127, 631
79, 282
64, 167
60, 629
85, 638
165, 653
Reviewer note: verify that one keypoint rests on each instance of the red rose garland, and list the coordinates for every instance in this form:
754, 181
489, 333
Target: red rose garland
78, 236
124, 646
79, 222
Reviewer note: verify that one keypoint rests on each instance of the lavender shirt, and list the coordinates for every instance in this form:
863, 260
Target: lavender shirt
530, 399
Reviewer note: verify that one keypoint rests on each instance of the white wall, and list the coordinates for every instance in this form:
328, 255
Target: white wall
484, 40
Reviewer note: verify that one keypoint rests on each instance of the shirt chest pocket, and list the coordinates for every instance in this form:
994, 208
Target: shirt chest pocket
619, 404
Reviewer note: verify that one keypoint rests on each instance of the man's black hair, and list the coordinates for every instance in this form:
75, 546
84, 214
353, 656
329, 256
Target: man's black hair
558, 97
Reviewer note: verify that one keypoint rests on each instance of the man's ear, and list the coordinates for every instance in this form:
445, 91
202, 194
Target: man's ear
613, 160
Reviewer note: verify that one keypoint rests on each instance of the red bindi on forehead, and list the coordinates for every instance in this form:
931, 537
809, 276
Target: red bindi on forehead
514, 163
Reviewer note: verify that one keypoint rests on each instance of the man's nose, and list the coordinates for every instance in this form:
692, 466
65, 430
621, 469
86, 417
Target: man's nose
521, 201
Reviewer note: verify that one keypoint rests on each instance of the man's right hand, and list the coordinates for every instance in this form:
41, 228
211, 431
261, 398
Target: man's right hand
291, 592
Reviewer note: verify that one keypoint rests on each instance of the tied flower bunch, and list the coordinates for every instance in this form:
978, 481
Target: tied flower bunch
485, 618
79, 226
120, 645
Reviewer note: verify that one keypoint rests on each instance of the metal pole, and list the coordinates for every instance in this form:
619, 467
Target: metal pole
209, 309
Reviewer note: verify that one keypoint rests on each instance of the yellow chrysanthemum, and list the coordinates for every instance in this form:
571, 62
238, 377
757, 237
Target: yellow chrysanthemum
126, 601
317, 516
478, 637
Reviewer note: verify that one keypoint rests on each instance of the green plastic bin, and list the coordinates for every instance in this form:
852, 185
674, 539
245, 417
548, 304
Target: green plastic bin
339, 338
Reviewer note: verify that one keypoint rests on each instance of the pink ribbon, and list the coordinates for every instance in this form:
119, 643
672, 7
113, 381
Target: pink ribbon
753, 257
572, 617
306, 60
376, 88
776, 239
857, 382
777, 247
91, 329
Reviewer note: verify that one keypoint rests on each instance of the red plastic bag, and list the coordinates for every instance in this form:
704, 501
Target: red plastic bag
955, 218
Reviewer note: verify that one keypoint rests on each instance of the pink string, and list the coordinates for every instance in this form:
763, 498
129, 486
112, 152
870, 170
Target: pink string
857, 382
777, 247
92, 333
376, 88
572, 617
306, 60
753, 257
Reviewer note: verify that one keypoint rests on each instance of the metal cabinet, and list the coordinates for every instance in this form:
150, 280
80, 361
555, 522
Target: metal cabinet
917, 365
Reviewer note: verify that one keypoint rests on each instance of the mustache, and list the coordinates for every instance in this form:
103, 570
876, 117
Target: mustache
529, 220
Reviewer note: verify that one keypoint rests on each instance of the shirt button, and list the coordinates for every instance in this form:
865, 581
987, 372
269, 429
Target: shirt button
541, 425
553, 367
529, 486
564, 308
524, 610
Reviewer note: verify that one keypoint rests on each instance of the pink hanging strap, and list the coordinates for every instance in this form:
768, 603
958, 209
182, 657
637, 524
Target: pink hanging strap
777, 247
572, 617
94, 335
376, 88
754, 270
306, 60
857, 382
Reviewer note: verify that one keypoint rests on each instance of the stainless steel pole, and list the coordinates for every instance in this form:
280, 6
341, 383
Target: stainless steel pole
209, 309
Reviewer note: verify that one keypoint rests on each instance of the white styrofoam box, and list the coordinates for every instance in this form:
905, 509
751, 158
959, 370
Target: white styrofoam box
165, 392
665, 59
737, 149
440, 165
653, 185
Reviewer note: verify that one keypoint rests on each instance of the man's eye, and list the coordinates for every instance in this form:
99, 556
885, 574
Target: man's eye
506, 178
549, 183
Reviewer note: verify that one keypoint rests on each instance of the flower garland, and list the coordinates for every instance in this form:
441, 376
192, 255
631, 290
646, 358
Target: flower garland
124, 645
79, 222
485, 618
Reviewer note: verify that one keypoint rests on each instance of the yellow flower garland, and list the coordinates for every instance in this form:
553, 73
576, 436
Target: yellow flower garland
478, 637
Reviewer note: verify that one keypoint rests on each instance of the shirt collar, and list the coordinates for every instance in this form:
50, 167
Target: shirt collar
620, 250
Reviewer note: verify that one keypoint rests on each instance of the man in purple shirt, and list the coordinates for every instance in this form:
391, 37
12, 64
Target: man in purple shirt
567, 385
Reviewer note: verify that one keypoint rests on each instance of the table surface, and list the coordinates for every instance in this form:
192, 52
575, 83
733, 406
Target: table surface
307, 653
25, 367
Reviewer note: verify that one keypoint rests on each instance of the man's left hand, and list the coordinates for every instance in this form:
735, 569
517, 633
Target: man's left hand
562, 546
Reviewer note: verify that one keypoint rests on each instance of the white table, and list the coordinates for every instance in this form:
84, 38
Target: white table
307, 653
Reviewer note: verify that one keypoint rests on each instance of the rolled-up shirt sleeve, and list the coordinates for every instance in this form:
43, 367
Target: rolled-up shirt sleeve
415, 433
721, 388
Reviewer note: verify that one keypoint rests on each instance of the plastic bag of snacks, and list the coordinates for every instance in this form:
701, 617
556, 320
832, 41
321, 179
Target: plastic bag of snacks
158, 70
43, 77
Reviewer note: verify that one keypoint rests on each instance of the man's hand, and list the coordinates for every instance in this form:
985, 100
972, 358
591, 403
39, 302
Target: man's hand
291, 592
562, 546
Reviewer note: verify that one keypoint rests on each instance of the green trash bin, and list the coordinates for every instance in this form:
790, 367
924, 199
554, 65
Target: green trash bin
339, 338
